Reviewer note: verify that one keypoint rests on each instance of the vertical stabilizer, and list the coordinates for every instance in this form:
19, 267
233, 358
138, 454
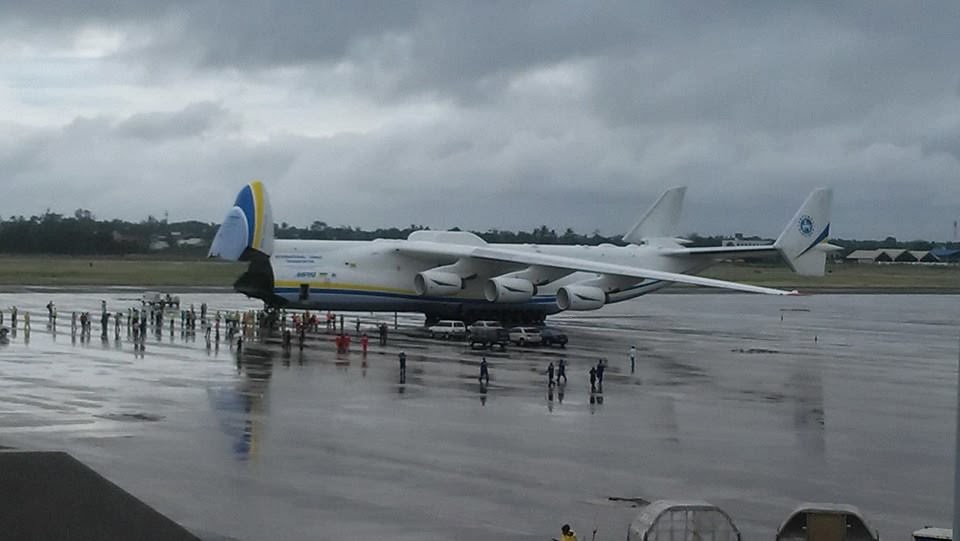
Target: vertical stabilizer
803, 242
661, 220
248, 226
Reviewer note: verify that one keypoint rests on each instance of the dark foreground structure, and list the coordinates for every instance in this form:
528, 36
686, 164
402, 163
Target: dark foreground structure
51, 495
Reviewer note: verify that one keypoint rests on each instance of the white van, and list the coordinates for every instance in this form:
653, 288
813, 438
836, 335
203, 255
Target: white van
447, 329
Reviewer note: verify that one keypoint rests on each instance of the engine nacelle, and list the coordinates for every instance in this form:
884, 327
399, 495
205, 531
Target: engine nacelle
502, 289
437, 283
580, 298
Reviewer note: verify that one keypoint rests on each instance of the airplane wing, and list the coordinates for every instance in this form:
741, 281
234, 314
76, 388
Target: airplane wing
724, 251
516, 257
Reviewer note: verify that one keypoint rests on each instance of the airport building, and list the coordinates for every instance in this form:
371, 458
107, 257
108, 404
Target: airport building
739, 240
947, 255
897, 255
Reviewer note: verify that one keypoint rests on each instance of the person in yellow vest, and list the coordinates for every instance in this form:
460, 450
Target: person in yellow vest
566, 534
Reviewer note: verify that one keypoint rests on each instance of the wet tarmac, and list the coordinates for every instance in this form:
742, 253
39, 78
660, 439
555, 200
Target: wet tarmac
850, 398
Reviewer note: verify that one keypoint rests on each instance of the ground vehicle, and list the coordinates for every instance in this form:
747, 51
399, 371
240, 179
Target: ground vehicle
552, 335
488, 334
158, 300
522, 336
447, 329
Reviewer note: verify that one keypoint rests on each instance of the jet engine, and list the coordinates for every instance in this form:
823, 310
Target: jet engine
501, 289
580, 298
437, 283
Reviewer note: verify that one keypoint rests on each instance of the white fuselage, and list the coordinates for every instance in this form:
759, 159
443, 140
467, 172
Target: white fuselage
373, 276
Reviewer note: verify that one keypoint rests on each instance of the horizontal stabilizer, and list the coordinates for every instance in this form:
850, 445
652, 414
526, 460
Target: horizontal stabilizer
661, 220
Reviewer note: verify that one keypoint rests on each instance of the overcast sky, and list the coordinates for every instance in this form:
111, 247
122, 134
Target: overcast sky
485, 114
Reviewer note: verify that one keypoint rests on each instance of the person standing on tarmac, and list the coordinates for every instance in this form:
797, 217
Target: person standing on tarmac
383, 333
561, 371
601, 366
484, 371
550, 375
633, 359
593, 379
403, 367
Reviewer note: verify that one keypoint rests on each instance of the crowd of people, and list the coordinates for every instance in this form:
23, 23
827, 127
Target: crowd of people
139, 321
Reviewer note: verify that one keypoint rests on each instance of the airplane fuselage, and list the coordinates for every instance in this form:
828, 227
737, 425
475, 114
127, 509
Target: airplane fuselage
373, 276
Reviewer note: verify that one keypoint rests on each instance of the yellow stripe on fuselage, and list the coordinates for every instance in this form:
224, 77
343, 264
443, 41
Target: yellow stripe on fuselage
257, 188
342, 285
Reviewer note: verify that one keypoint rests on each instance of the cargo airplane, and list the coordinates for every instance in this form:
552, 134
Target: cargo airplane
458, 275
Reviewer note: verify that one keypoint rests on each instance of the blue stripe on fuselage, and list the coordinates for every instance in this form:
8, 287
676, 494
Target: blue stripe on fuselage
544, 299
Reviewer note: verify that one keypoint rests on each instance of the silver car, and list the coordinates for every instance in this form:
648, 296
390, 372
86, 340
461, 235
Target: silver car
522, 336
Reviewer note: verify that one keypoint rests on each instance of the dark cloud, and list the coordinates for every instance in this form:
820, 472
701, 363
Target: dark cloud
506, 114
98, 164
194, 120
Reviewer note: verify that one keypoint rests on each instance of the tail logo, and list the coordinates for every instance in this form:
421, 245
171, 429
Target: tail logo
806, 225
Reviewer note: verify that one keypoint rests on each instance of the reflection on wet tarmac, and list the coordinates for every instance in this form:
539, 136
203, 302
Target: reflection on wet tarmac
242, 408
743, 411
806, 387
665, 420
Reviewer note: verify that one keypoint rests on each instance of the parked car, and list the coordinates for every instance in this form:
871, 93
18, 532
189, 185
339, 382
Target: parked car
488, 334
483, 324
552, 335
522, 336
447, 329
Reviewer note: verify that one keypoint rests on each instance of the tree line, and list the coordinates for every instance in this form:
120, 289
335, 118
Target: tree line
83, 234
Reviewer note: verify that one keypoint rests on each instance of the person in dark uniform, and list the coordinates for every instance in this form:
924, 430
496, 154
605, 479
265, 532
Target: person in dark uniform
561, 371
403, 367
550, 375
601, 366
593, 379
484, 371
